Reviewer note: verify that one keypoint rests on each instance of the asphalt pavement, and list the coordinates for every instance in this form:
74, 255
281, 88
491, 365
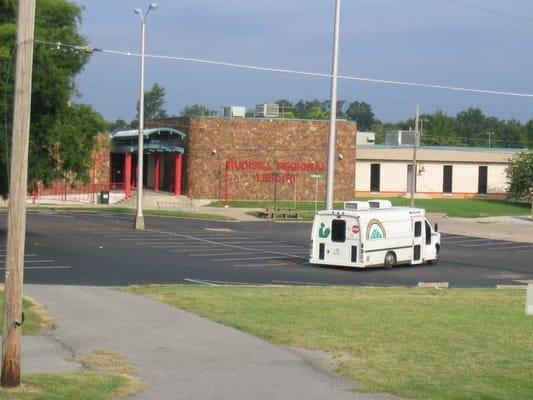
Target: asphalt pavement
183, 356
72, 259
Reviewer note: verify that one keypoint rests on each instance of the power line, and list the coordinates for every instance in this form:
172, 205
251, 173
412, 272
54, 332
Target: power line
294, 72
490, 11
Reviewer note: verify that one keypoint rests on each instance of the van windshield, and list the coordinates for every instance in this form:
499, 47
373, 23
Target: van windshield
338, 230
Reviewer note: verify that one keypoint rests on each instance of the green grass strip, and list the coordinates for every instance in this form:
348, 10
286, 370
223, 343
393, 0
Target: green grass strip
414, 343
34, 318
465, 208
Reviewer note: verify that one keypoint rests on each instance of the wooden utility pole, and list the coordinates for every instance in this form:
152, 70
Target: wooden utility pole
415, 145
16, 227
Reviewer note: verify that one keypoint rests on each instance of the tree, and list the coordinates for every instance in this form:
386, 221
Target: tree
196, 110
154, 100
472, 126
286, 108
118, 125
440, 129
362, 113
529, 134
510, 134
75, 129
520, 175
54, 71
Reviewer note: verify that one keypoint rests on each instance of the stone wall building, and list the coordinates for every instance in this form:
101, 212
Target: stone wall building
249, 159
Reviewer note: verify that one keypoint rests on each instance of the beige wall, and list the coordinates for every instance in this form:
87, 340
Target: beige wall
394, 163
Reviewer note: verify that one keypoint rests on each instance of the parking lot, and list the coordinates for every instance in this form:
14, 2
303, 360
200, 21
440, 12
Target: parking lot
103, 249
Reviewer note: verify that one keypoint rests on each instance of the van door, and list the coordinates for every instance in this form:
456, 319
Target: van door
418, 240
430, 250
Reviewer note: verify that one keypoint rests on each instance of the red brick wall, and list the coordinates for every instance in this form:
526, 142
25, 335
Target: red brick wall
245, 152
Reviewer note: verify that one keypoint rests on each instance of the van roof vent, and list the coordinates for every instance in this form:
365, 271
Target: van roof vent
382, 204
356, 205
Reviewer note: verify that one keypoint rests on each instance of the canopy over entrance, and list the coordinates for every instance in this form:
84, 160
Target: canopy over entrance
163, 154
163, 140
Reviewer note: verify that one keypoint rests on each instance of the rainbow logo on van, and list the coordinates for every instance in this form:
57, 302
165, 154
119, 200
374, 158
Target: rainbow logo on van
375, 230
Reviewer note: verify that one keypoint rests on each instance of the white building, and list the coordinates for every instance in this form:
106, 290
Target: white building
441, 171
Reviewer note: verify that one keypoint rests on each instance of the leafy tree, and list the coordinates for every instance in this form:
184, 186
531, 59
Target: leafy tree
520, 175
529, 134
196, 110
313, 109
509, 134
440, 129
286, 108
154, 100
118, 125
472, 126
75, 129
362, 113
53, 85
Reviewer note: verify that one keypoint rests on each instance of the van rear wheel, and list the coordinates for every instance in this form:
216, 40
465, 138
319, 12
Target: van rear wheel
390, 260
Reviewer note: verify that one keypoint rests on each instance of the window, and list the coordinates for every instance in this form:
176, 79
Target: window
338, 230
482, 180
418, 228
428, 232
375, 173
447, 179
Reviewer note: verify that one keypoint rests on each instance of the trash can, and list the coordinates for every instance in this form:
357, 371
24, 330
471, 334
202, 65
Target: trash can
104, 197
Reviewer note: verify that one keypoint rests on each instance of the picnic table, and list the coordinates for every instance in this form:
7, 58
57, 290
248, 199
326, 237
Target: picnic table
279, 213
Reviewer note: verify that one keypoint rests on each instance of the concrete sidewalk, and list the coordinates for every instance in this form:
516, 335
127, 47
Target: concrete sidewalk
180, 355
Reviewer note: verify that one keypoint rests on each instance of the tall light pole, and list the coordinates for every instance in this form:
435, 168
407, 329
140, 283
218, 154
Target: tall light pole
330, 180
139, 217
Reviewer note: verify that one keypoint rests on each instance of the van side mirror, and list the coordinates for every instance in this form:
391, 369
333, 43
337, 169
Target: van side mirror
436, 227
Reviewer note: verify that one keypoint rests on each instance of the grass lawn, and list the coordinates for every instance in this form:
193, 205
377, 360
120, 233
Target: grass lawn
87, 385
466, 208
35, 317
414, 343
125, 210
109, 375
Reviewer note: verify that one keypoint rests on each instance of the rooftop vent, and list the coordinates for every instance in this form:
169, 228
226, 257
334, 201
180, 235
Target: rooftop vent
356, 205
381, 204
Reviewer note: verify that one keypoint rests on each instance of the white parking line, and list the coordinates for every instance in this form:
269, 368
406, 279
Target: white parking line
507, 243
303, 283
467, 240
524, 251
222, 254
178, 246
260, 265
185, 250
227, 245
200, 282
480, 244
47, 267
512, 247
462, 242
33, 261
247, 259
162, 238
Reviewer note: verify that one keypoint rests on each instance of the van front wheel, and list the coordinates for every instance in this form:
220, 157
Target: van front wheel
390, 260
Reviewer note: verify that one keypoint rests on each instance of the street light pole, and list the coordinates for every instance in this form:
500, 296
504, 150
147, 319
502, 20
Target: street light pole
139, 217
330, 181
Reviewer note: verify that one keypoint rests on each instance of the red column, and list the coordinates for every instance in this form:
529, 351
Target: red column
177, 174
127, 174
156, 172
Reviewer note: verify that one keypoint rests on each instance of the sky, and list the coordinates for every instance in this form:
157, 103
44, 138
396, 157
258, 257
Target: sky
446, 42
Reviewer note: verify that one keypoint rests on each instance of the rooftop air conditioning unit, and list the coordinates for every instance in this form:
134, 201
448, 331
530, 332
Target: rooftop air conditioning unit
356, 205
382, 204
267, 111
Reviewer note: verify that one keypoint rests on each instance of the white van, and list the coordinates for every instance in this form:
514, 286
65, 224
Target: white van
373, 233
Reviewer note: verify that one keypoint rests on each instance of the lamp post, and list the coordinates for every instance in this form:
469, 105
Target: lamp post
330, 177
139, 218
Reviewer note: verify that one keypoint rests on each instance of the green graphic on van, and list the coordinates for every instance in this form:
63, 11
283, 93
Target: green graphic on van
375, 230
323, 233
